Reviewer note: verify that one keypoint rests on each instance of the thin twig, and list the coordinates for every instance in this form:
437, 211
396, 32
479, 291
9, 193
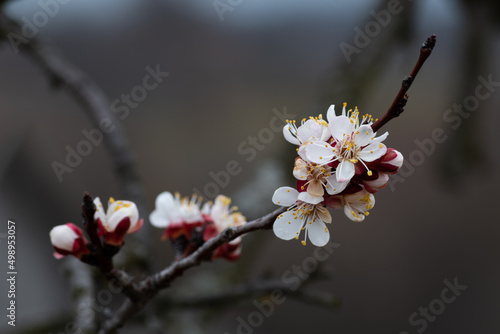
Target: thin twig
399, 102
88, 211
150, 286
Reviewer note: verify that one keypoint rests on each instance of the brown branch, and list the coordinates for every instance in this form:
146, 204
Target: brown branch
150, 286
88, 212
397, 106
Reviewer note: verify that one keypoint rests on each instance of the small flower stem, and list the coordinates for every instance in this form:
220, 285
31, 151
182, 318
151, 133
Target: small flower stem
90, 225
397, 106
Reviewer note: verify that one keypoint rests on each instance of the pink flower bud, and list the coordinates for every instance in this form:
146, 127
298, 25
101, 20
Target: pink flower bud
373, 181
122, 217
388, 163
68, 239
230, 251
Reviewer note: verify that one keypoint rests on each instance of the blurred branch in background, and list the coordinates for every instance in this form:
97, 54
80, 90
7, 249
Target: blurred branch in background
257, 289
465, 150
82, 289
62, 74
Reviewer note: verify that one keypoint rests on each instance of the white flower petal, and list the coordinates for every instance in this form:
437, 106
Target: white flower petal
158, 219
318, 233
305, 197
300, 170
365, 135
381, 138
330, 114
334, 186
325, 134
302, 152
345, 171
319, 152
285, 196
352, 215
287, 226
372, 152
165, 202
63, 237
308, 130
121, 210
291, 138
340, 127
100, 213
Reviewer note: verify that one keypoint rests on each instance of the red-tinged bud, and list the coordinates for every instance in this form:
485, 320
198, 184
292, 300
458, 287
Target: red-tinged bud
68, 239
334, 201
120, 218
223, 216
230, 251
388, 163
372, 181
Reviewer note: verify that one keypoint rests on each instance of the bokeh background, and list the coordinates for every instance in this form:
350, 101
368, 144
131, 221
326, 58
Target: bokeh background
225, 78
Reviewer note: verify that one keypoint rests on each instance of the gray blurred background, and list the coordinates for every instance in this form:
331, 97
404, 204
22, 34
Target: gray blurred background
225, 78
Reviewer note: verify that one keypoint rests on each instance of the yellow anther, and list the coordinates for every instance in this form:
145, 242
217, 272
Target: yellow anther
369, 173
111, 200
345, 104
289, 222
303, 242
381, 145
366, 213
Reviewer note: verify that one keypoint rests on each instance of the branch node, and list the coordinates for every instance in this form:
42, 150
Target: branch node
407, 81
228, 233
429, 43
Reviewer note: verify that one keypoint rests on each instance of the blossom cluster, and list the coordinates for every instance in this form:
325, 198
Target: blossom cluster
113, 224
188, 224
341, 163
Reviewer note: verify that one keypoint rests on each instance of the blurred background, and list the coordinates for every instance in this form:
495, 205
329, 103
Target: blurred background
230, 65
